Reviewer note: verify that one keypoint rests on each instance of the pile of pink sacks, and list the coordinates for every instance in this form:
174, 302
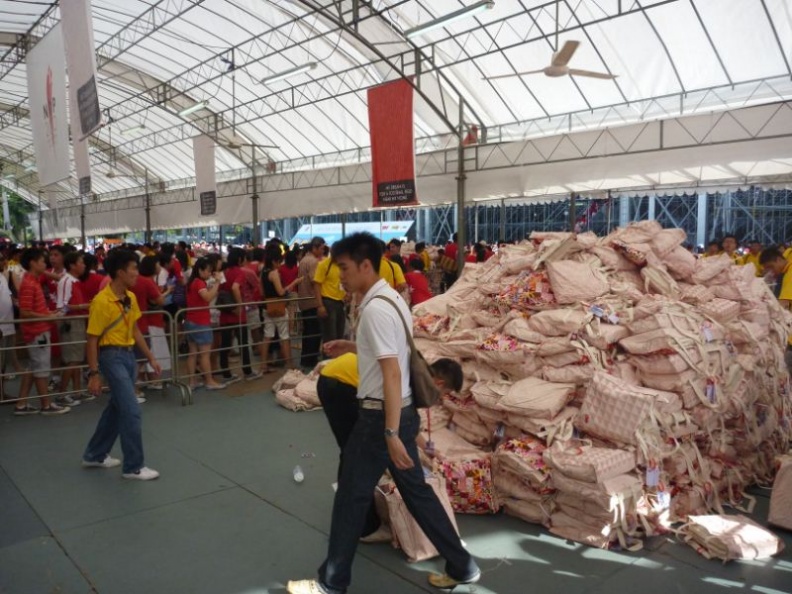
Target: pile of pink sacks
630, 344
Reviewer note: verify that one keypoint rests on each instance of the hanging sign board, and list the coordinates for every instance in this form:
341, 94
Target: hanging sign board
81, 57
46, 81
205, 179
390, 108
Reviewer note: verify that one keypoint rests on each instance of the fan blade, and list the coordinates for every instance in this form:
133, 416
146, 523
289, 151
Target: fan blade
563, 57
590, 74
513, 74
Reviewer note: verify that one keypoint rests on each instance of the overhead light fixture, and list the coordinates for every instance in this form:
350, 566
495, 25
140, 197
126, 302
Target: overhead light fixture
287, 73
193, 108
134, 129
467, 11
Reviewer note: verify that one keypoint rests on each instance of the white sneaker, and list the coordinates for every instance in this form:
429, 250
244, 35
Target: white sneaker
140, 397
54, 409
380, 535
144, 474
108, 462
68, 401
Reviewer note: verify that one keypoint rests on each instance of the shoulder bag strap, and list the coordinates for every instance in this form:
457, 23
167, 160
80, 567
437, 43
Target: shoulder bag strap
114, 323
398, 311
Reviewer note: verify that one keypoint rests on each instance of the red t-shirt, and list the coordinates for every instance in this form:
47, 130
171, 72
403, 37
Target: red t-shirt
288, 275
419, 287
250, 285
194, 299
90, 286
233, 276
145, 291
470, 258
50, 288
31, 298
451, 250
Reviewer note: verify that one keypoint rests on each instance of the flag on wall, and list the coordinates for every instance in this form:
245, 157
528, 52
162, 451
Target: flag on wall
390, 108
46, 82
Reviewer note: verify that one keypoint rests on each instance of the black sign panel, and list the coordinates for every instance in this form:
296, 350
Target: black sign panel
85, 185
208, 203
394, 193
88, 104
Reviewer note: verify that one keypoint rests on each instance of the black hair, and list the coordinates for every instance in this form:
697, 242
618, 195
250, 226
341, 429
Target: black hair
71, 259
450, 372
713, 242
417, 264
272, 256
420, 246
258, 254
291, 258
168, 249
214, 259
165, 259
455, 237
91, 263
394, 241
359, 247
148, 265
183, 259
183, 245
235, 257
200, 264
119, 259
481, 252
397, 259
317, 242
30, 255
725, 237
61, 249
769, 255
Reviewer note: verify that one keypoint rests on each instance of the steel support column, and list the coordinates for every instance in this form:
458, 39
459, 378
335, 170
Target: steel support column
701, 220
652, 205
624, 211
148, 210
82, 225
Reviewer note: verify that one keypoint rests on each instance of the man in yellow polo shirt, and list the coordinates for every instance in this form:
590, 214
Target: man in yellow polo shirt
337, 391
330, 294
111, 336
773, 260
753, 256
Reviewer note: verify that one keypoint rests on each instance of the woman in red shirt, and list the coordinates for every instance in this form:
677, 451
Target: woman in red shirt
198, 326
418, 283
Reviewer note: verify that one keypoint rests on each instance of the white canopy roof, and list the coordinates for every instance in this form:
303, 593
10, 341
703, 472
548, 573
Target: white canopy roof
672, 57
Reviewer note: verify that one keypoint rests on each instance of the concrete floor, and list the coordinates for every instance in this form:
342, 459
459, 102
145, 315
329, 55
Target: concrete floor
227, 518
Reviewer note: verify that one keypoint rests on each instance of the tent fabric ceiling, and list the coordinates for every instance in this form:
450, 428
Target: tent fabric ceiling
698, 55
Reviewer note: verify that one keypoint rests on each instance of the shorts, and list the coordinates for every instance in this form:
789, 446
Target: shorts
198, 333
254, 317
40, 356
281, 323
72, 331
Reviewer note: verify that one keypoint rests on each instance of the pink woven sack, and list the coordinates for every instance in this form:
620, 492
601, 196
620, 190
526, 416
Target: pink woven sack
528, 511
487, 394
617, 411
557, 322
709, 268
573, 282
471, 429
407, 535
667, 241
663, 339
509, 484
680, 263
579, 375
730, 537
448, 446
587, 463
554, 345
306, 391
722, 310
534, 397
523, 458
570, 528
289, 401
696, 294
521, 330
560, 426
781, 499
623, 490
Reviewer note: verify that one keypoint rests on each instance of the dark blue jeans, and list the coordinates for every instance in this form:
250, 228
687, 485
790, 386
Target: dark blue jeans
365, 459
121, 417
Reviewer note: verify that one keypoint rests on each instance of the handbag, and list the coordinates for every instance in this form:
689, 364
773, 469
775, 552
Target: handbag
276, 308
424, 391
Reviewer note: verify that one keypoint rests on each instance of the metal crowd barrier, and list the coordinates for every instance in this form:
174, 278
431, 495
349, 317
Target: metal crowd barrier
174, 333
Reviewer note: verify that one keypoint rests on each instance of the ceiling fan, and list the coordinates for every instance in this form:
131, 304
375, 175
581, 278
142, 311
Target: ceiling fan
558, 66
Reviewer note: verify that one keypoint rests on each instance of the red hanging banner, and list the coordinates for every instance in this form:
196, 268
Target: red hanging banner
390, 108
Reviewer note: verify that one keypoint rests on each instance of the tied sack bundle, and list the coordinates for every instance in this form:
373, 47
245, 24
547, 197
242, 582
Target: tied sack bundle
730, 537
522, 480
781, 500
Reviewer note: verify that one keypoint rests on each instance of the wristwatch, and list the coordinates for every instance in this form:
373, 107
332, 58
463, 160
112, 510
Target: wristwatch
93, 372
391, 432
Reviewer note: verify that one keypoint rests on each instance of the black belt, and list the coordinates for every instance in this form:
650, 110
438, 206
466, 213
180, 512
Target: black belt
111, 347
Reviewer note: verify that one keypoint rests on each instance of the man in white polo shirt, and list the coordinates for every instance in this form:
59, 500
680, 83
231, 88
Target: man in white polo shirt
385, 432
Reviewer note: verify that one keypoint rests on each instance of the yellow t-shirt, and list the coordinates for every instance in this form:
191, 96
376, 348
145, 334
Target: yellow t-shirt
426, 261
392, 273
329, 276
106, 308
750, 258
785, 294
343, 369
788, 253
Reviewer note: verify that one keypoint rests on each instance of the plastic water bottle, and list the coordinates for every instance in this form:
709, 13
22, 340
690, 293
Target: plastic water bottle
298, 474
